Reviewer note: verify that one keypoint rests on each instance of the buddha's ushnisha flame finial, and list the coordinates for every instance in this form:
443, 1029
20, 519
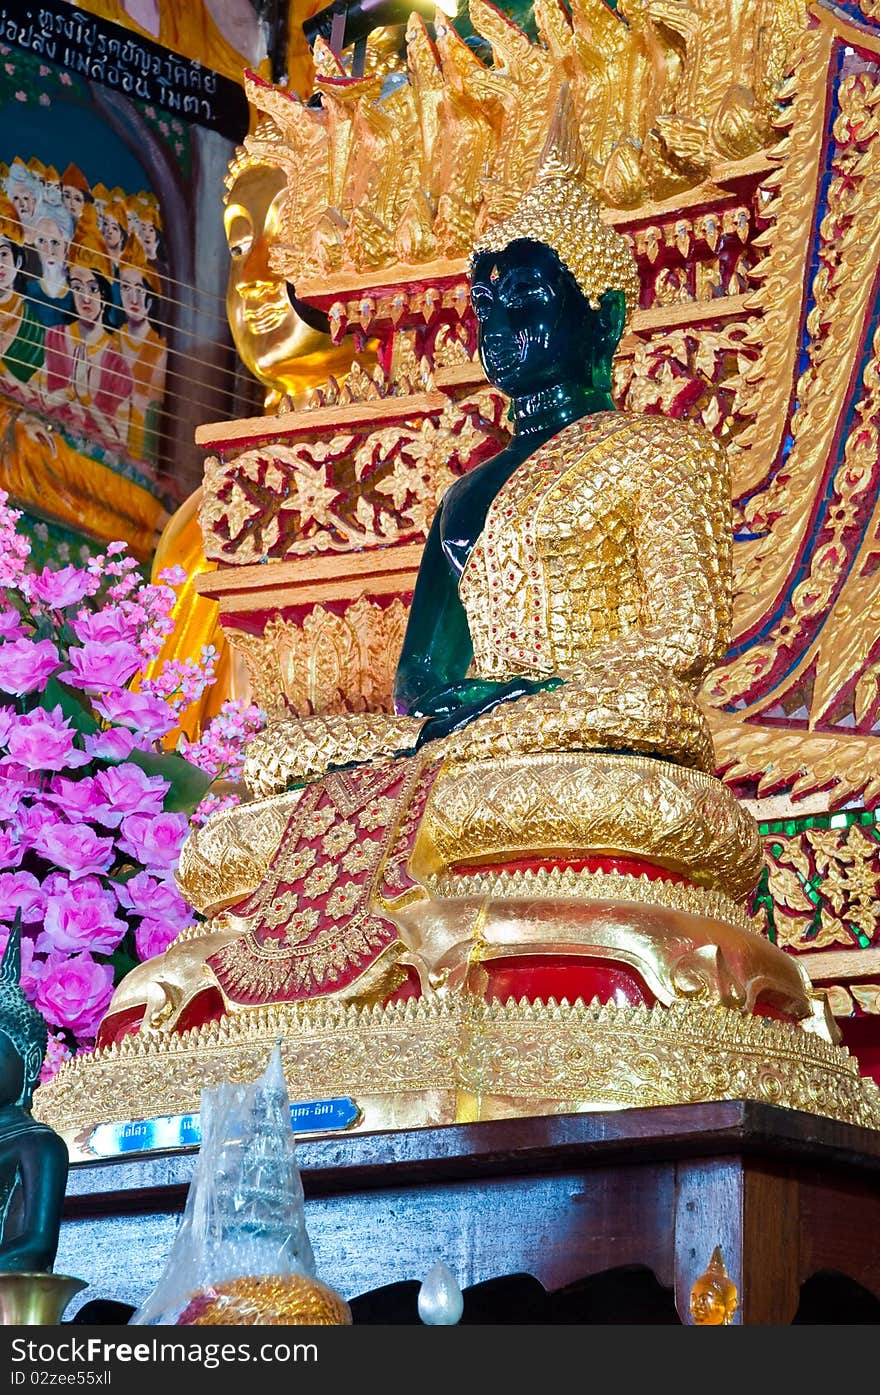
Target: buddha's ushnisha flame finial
561, 212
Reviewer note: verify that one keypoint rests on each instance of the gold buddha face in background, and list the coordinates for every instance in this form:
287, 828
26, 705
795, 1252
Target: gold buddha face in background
269, 335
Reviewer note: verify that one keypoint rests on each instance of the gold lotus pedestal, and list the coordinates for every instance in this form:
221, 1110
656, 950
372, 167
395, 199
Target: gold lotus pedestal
511, 894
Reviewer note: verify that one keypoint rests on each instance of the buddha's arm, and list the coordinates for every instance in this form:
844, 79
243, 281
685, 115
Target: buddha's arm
682, 534
437, 652
437, 646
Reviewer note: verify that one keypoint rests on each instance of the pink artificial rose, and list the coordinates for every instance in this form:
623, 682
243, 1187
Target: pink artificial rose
29, 970
30, 820
115, 744
10, 624
80, 915
75, 993
153, 937
108, 626
76, 848
58, 589
11, 795
126, 789
42, 740
21, 891
158, 900
73, 796
147, 715
11, 851
8, 718
26, 665
97, 666
154, 841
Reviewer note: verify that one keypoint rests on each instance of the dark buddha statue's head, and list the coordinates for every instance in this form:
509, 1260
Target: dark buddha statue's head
23, 1032
536, 327
552, 286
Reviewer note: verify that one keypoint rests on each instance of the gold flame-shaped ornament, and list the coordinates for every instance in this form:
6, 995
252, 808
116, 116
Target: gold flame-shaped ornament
714, 1296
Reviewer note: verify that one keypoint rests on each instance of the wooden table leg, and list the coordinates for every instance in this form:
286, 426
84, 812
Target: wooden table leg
751, 1213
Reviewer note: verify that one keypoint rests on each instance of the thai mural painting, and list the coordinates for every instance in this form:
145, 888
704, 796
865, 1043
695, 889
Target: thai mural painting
113, 336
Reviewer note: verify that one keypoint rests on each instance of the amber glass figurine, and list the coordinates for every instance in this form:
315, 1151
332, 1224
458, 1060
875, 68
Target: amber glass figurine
714, 1299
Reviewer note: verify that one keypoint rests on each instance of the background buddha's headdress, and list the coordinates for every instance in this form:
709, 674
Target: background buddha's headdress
10, 223
19, 1020
561, 212
263, 146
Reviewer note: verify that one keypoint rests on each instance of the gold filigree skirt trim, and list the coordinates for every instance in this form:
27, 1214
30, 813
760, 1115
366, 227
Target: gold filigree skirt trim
564, 883
425, 1062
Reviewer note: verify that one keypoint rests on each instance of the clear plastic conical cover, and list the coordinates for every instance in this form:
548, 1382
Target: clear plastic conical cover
244, 1213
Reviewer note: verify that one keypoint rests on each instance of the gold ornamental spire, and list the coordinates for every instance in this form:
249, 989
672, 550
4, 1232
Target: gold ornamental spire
561, 211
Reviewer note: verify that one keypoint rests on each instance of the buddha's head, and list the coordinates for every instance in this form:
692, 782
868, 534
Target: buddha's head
23, 1032
553, 288
714, 1298
268, 333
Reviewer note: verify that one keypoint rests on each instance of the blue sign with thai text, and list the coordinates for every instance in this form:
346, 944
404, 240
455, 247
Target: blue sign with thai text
184, 1130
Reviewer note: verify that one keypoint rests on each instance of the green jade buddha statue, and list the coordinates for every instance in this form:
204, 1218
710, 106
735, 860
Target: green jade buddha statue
573, 591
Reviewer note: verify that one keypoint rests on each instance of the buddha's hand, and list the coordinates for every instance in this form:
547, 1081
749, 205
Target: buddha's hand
455, 707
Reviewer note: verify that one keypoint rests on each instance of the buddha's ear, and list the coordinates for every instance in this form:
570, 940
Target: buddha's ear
612, 316
32, 1065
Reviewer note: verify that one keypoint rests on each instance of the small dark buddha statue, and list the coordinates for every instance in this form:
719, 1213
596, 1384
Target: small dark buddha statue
33, 1158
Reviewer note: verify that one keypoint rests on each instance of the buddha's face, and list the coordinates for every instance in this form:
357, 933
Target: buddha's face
535, 329
268, 333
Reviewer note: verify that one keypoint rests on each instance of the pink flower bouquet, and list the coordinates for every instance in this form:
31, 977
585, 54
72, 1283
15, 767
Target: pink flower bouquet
93, 806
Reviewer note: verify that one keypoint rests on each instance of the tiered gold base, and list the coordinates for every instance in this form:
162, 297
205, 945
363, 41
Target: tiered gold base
427, 1062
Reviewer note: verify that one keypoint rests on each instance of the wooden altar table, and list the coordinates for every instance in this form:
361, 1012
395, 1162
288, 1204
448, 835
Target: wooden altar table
786, 1195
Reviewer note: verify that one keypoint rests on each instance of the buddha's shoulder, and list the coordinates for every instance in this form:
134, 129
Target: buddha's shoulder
623, 428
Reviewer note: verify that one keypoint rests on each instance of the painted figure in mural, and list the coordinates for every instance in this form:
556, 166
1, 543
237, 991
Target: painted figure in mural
24, 191
143, 348
283, 352
100, 198
150, 233
75, 191
114, 229
52, 188
22, 333
49, 291
113, 224
33, 1158
85, 372
572, 592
